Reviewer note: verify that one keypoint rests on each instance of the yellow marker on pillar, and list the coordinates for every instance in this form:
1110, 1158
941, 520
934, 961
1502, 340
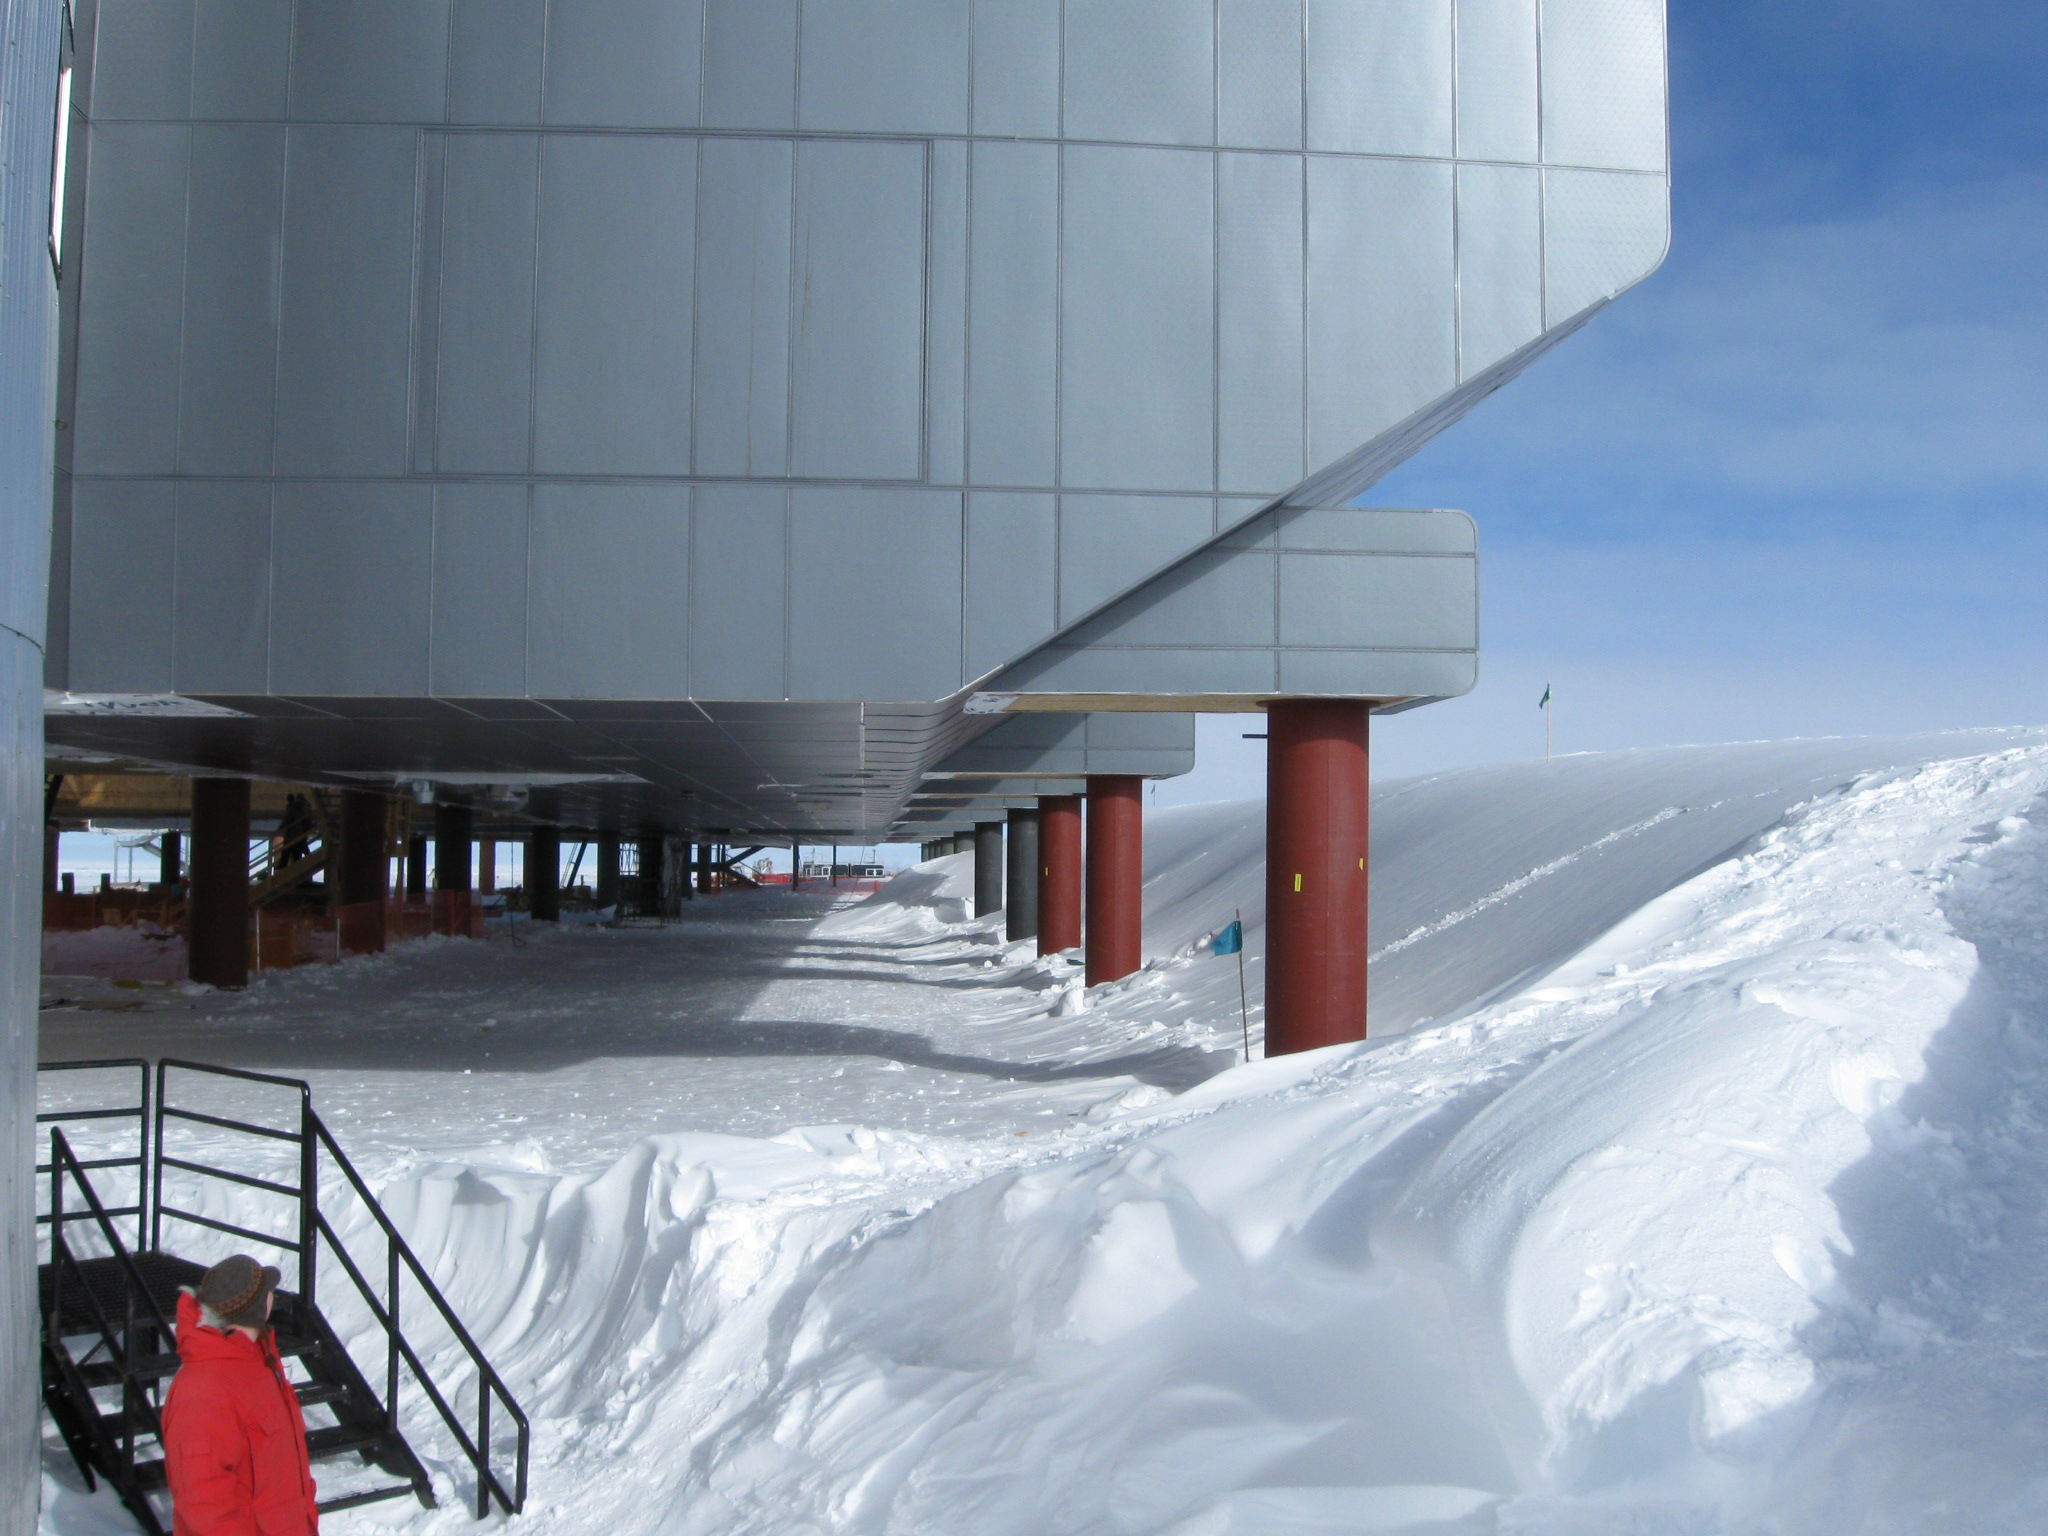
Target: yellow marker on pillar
1297, 883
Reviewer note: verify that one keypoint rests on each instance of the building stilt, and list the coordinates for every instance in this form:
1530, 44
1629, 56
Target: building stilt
453, 826
650, 877
1059, 873
1114, 944
988, 867
1318, 800
217, 910
1020, 872
544, 874
361, 872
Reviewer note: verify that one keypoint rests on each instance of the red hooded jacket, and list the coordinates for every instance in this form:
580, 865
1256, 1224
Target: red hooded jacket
234, 1439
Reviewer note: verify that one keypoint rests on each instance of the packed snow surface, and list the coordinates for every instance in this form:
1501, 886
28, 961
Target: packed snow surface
1693, 1181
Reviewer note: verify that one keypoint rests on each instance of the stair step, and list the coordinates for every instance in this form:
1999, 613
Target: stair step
115, 1422
340, 1439
311, 1392
104, 1373
368, 1496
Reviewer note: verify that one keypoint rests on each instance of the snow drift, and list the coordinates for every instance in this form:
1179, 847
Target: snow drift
1704, 1194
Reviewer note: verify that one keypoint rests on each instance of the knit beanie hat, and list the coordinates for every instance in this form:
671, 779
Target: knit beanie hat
234, 1290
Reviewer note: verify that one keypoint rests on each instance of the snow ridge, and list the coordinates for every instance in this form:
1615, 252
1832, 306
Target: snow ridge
1731, 1221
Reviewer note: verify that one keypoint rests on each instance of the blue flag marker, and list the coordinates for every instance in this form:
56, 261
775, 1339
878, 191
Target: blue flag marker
1228, 942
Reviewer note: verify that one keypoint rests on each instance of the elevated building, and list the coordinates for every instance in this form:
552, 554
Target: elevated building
503, 395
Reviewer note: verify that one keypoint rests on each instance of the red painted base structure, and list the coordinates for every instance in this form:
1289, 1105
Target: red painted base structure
1059, 873
1116, 876
1318, 798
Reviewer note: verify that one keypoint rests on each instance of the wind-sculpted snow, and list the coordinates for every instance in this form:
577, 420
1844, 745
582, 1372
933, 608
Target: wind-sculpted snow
1728, 1216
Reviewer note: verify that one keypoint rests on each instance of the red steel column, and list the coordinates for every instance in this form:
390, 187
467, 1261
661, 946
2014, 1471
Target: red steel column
217, 908
1059, 873
361, 873
1317, 802
1116, 875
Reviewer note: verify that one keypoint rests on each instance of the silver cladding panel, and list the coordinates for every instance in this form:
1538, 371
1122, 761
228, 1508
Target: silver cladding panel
1353, 601
795, 350
1129, 255
28, 346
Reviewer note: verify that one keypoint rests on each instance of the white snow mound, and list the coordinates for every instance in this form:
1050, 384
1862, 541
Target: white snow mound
1727, 1218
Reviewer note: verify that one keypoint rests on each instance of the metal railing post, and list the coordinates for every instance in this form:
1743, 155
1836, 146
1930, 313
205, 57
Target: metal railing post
391, 1339
309, 1196
156, 1171
483, 1446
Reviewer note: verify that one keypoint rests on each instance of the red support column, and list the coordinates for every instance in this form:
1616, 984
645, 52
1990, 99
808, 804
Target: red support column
361, 872
1317, 802
217, 908
1059, 873
454, 845
1116, 876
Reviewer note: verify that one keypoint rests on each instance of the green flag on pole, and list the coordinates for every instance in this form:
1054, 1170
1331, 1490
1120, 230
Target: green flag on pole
1546, 696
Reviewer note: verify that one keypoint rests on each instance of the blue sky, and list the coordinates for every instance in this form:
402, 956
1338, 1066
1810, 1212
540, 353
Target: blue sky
1794, 483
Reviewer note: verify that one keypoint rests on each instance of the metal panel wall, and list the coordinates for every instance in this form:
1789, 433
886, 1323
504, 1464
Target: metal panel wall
128, 343
884, 66
745, 189
124, 547
1140, 71
235, 222
614, 325
345, 552
623, 63
608, 584
1137, 321
478, 380
478, 635
857, 386
739, 255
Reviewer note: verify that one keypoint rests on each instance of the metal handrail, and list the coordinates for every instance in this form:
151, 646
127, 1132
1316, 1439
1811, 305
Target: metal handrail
138, 1410
138, 1111
489, 1383
312, 1136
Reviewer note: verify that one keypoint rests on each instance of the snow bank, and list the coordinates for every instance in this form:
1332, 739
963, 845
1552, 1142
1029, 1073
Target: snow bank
1720, 1212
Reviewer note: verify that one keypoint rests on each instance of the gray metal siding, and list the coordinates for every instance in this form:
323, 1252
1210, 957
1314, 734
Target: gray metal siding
478, 603
857, 387
614, 319
1008, 256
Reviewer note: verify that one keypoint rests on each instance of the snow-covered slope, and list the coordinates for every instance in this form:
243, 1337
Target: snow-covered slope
1707, 1196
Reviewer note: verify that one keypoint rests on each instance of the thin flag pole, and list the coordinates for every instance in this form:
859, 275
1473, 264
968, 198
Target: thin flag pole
1244, 1012
1548, 736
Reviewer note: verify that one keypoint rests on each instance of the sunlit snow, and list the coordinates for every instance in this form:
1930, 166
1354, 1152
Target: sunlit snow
1693, 1181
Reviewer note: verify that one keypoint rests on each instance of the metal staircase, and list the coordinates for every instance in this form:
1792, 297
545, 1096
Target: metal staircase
107, 1299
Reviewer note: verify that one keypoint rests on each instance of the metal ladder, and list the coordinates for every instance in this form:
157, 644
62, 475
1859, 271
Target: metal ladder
107, 1301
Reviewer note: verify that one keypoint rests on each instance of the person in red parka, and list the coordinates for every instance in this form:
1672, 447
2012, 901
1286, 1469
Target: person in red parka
234, 1439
